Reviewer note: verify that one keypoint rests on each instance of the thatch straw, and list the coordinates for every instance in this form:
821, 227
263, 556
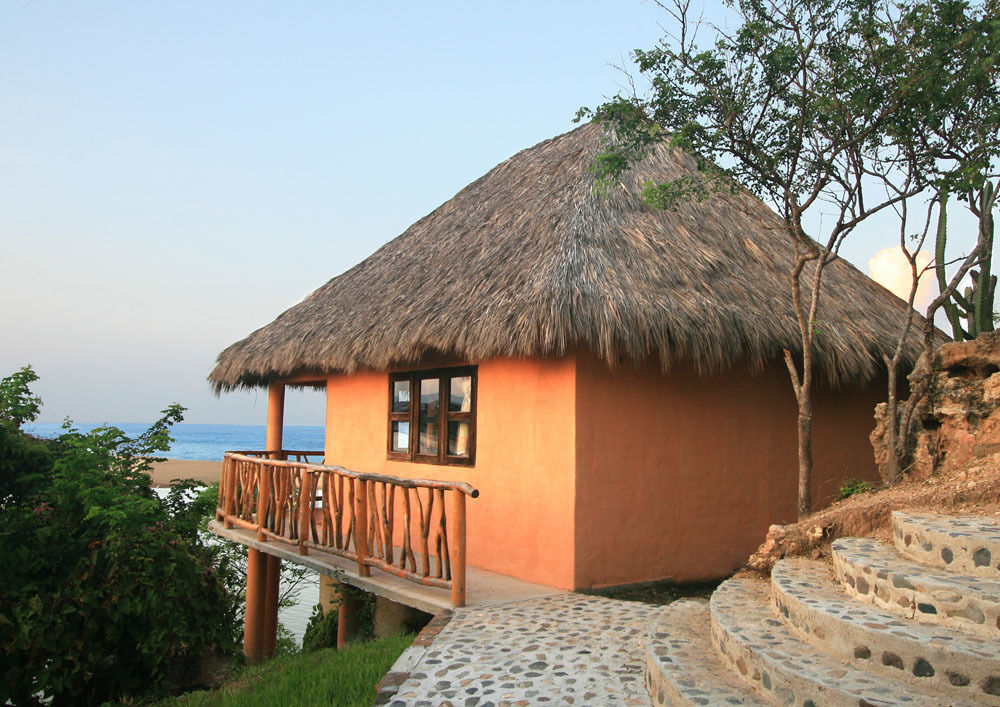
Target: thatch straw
530, 260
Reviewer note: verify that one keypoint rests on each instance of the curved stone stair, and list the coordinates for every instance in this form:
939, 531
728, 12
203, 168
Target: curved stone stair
879, 575
682, 667
882, 629
875, 640
968, 545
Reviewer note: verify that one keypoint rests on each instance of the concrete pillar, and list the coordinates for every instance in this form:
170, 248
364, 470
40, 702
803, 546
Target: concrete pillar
348, 617
392, 618
275, 416
253, 621
329, 593
270, 618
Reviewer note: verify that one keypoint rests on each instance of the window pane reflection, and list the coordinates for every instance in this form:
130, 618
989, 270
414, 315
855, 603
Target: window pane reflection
458, 438
401, 396
460, 398
400, 436
430, 408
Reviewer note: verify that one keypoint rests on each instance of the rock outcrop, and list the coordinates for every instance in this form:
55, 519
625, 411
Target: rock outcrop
957, 423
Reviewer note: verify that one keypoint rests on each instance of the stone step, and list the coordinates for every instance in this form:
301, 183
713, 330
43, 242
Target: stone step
968, 545
788, 670
681, 666
954, 663
878, 574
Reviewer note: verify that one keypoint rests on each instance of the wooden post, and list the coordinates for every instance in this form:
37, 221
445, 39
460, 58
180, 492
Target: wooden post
361, 519
275, 417
222, 504
227, 491
458, 548
263, 496
269, 637
253, 622
305, 510
233, 483
272, 441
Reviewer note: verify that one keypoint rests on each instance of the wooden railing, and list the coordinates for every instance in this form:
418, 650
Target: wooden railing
284, 497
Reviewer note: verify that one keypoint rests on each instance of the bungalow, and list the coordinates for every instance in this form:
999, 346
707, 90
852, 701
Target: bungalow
607, 376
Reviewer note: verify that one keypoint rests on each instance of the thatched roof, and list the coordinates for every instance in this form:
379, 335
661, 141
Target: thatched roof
530, 260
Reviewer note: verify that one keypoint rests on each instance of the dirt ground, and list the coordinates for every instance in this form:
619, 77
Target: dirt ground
973, 491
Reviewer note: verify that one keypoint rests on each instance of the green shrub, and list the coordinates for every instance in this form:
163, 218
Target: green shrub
108, 592
853, 487
321, 631
286, 644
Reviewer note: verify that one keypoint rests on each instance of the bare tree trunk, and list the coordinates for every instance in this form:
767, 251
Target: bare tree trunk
892, 464
802, 382
805, 454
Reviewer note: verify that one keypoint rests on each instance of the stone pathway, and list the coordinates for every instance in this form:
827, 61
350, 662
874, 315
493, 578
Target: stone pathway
565, 649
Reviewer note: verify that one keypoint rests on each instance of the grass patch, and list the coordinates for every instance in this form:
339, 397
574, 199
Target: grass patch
325, 677
853, 487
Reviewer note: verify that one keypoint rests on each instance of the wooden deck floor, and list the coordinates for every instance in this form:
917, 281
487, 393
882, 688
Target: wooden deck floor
483, 588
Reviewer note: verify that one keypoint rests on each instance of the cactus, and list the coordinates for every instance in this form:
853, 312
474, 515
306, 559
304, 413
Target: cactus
951, 305
975, 305
984, 284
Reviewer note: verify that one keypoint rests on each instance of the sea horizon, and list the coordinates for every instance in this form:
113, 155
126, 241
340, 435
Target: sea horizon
195, 441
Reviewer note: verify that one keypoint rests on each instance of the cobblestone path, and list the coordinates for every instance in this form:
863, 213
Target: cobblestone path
566, 649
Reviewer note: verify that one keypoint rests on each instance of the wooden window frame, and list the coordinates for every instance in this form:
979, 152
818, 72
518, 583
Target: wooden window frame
443, 376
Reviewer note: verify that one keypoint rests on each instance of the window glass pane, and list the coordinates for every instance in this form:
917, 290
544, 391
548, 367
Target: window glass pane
400, 436
430, 408
460, 399
401, 396
458, 439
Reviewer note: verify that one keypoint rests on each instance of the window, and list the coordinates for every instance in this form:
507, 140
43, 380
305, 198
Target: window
432, 416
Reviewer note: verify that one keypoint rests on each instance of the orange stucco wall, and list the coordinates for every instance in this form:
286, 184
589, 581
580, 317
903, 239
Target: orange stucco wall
591, 478
522, 523
679, 476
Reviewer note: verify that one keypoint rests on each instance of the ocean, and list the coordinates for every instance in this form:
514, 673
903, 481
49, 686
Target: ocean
204, 442
210, 442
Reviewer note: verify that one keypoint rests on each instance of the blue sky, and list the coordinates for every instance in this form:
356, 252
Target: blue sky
174, 175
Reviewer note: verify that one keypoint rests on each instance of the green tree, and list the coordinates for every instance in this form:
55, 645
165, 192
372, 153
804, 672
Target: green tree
954, 124
949, 127
109, 593
800, 104
17, 404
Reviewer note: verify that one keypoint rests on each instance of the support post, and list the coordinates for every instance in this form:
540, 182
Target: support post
329, 593
275, 417
272, 442
253, 622
458, 551
271, 593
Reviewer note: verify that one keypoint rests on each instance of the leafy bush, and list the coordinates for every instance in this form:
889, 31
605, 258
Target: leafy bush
108, 591
321, 631
853, 487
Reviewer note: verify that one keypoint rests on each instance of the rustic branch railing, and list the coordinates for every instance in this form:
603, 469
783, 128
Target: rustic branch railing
350, 514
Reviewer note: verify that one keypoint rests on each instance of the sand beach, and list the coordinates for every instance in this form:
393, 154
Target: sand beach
165, 472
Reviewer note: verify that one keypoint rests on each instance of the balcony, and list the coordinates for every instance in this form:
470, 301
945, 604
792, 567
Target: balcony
281, 503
